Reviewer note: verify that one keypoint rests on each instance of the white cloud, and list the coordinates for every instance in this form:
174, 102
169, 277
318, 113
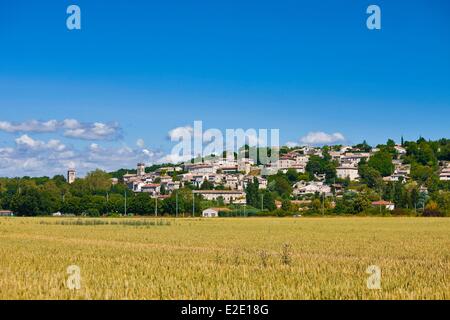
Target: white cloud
71, 124
26, 142
33, 157
174, 158
56, 145
71, 128
148, 153
93, 131
94, 147
322, 138
29, 126
140, 143
292, 144
6, 151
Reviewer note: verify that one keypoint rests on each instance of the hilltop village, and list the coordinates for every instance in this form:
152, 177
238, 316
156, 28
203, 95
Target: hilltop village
408, 178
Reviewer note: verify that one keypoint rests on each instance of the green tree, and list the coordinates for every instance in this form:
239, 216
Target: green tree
28, 202
252, 193
98, 181
318, 165
292, 175
281, 185
72, 205
361, 203
370, 176
364, 146
142, 204
382, 162
268, 201
421, 173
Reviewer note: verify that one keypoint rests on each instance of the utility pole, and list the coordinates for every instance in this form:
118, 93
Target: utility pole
323, 204
262, 202
125, 204
193, 205
156, 206
380, 201
176, 207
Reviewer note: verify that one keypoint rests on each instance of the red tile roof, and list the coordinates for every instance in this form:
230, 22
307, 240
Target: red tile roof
381, 203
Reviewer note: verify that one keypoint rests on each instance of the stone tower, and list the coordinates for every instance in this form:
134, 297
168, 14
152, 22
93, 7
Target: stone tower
141, 169
71, 176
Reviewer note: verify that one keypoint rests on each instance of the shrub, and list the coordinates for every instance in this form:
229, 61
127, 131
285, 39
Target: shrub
432, 210
92, 212
432, 213
400, 212
280, 213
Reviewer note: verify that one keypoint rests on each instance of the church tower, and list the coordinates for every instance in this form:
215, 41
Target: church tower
141, 169
71, 176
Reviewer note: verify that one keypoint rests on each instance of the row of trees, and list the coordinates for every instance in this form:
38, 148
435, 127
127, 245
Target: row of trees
93, 195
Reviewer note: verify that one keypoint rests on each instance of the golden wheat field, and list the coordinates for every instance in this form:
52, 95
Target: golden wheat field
234, 258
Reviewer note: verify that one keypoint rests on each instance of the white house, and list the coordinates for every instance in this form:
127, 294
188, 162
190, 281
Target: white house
396, 177
152, 188
404, 169
345, 149
228, 196
200, 168
136, 186
301, 160
172, 186
284, 163
299, 168
353, 159
345, 172
233, 182
229, 169
6, 213
302, 188
401, 150
262, 182
386, 204
245, 165
165, 179
210, 213
445, 174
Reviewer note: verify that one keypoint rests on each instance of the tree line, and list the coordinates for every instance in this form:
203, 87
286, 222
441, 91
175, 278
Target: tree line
93, 195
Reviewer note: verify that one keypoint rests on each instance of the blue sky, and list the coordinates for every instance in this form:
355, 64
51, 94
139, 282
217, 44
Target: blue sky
146, 67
